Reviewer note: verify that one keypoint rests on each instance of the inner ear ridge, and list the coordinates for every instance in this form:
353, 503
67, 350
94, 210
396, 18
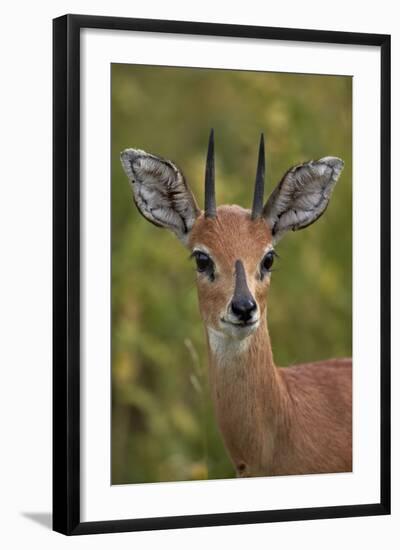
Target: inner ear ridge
150, 213
313, 220
148, 218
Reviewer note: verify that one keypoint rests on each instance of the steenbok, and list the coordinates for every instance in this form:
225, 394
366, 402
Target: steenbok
274, 421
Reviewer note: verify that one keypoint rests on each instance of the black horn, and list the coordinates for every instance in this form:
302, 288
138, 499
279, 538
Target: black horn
210, 209
258, 199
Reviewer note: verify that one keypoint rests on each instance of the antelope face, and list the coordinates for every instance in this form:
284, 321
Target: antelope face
233, 255
233, 248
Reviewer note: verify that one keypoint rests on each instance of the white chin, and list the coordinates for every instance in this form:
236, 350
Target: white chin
238, 332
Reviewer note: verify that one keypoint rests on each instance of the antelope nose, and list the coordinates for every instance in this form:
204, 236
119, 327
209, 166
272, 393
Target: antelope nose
243, 308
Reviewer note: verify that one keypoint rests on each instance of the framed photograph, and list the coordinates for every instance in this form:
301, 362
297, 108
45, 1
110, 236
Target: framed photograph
221, 274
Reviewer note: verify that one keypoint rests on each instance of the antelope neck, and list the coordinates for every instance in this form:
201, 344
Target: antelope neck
249, 397
235, 364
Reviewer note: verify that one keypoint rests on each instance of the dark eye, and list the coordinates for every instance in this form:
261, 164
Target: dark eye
267, 262
204, 263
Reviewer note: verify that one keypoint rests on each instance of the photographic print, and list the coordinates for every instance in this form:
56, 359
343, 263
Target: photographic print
232, 309
221, 325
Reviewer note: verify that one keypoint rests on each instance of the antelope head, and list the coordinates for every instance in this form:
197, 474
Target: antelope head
233, 248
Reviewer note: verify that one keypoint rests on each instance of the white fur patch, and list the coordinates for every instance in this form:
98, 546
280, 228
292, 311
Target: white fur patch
225, 347
201, 248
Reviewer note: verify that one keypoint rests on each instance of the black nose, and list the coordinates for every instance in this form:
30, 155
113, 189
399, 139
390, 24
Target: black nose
243, 308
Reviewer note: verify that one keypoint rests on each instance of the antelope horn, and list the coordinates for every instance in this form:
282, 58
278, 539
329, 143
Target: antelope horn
258, 199
210, 210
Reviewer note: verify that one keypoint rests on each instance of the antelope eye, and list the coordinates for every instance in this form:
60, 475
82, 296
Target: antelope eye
267, 262
204, 263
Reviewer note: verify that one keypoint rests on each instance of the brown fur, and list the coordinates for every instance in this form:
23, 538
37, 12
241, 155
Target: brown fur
274, 421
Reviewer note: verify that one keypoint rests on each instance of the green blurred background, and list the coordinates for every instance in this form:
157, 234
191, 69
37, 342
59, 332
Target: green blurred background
163, 427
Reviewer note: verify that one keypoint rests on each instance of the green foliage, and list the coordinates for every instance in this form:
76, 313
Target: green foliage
163, 427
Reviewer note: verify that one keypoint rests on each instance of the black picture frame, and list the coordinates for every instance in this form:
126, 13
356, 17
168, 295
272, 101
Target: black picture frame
66, 273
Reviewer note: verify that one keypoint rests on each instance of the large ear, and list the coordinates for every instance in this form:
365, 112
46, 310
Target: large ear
160, 192
302, 196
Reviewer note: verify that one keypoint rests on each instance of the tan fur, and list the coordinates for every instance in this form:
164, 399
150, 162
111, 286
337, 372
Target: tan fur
274, 421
